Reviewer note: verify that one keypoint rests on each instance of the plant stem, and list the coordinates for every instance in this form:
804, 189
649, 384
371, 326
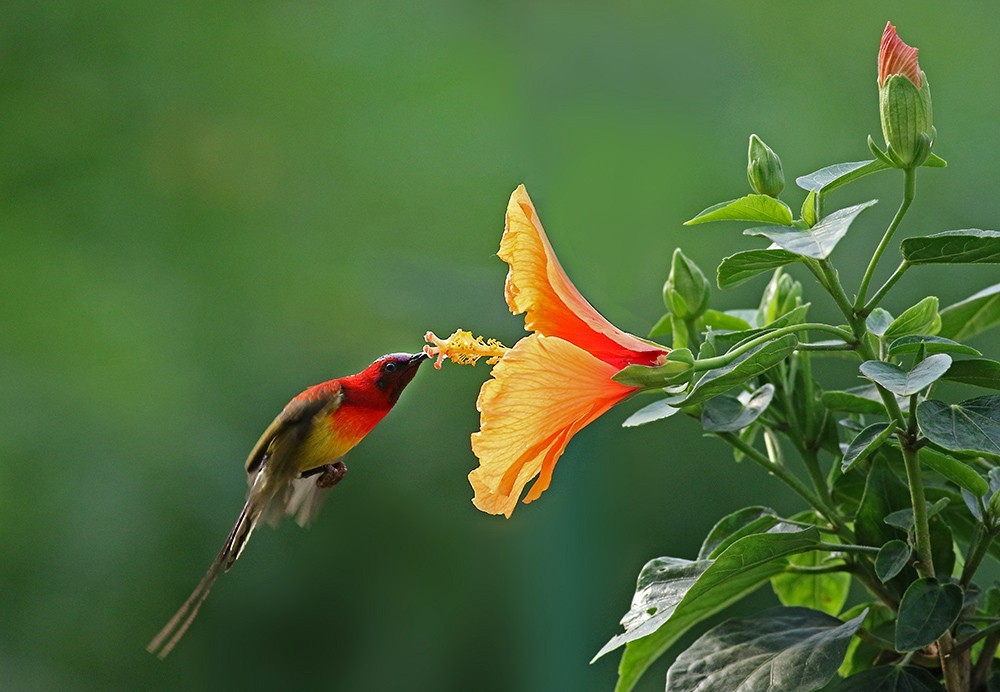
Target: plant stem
729, 357
978, 547
788, 478
909, 188
921, 527
811, 461
692, 330
889, 283
985, 663
837, 346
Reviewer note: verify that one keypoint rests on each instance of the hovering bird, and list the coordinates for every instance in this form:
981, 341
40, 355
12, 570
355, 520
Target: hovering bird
299, 457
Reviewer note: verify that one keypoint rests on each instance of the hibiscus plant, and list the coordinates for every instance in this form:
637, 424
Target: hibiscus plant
900, 479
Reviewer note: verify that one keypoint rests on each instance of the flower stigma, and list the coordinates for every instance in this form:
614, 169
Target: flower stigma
463, 349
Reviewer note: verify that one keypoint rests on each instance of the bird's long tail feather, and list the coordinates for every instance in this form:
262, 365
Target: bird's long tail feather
259, 497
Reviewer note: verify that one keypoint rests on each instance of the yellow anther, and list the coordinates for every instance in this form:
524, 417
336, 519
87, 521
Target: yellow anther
463, 348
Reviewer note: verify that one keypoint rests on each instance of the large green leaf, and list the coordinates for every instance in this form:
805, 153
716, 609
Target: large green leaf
744, 368
974, 315
884, 494
820, 240
742, 266
832, 177
906, 383
972, 427
660, 614
954, 470
968, 246
727, 321
888, 679
760, 208
932, 344
731, 413
922, 318
926, 612
778, 650
981, 372
734, 526
863, 400
865, 444
822, 591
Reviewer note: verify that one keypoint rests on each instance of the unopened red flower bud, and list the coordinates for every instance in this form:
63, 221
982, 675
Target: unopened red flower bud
904, 102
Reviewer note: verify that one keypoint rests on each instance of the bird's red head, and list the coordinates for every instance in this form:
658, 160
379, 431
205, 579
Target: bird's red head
383, 381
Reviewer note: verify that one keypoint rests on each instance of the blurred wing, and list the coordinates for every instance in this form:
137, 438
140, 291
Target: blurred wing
301, 498
296, 412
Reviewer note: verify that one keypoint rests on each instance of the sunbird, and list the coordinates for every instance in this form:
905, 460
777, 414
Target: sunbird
300, 457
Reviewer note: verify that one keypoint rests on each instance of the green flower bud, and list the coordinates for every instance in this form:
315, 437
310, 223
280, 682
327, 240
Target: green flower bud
686, 291
904, 102
782, 295
764, 169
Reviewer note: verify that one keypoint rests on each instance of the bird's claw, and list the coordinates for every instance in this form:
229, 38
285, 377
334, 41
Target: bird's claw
329, 475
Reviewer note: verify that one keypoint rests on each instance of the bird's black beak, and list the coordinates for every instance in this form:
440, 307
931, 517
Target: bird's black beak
417, 358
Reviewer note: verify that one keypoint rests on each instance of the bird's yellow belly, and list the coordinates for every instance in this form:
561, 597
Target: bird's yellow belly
333, 438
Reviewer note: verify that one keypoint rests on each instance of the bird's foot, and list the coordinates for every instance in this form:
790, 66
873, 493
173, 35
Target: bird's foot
328, 475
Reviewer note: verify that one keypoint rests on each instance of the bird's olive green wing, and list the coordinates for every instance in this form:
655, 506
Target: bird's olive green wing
297, 412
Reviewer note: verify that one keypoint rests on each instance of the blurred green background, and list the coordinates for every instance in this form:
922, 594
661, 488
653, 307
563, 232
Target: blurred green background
205, 208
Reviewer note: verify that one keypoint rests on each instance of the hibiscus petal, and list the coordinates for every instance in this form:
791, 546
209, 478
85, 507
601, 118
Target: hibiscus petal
537, 286
542, 393
895, 57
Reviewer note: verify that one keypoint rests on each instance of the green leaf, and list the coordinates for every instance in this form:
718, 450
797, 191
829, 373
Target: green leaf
724, 321
981, 372
934, 161
808, 211
796, 315
837, 175
744, 368
907, 383
862, 653
926, 612
865, 444
825, 592
889, 679
968, 246
661, 328
660, 616
864, 400
760, 208
922, 318
779, 650
878, 321
658, 410
972, 427
905, 345
884, 493
891, 559
743, 266
972, 316
731, 413
954, 470
820, 240
732, 527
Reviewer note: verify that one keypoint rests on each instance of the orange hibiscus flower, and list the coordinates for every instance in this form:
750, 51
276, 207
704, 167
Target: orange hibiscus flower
551, 384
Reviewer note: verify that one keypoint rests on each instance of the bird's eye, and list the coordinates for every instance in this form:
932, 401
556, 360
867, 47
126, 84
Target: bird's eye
389, 367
